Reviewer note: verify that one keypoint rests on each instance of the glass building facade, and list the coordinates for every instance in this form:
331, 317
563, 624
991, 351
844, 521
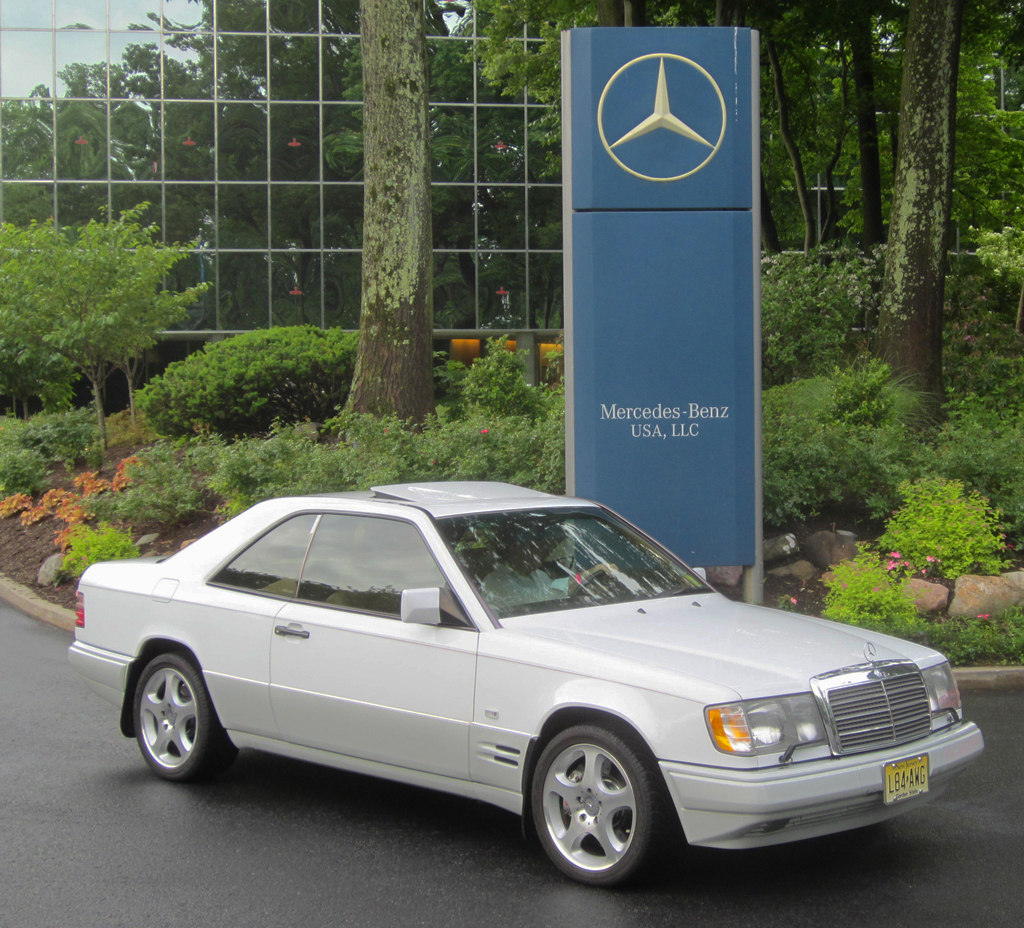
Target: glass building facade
240, 123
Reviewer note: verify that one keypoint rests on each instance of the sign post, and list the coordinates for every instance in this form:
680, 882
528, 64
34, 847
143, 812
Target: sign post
662, 243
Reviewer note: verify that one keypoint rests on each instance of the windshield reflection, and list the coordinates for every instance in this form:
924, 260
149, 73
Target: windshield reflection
530, 561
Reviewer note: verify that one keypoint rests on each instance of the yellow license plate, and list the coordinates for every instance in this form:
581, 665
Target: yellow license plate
905, 779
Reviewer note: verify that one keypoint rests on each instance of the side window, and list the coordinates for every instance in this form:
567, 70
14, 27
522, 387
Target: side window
364, 563
272, 563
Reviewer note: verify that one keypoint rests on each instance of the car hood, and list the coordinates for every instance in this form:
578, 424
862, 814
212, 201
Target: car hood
752, 650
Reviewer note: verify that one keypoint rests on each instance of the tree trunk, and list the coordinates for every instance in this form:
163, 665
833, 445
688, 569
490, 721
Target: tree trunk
910, 317
1020, 312
97, 399
861, 49
791, 147
769, 231
393, 373
622, 12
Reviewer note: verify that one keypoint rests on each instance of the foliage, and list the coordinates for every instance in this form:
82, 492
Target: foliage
247, 383
494, 384
980, 639
66, 437
22, 470
158, 486
862, 592
123, 432
27, 371
89, 294
87, 546
810, 309
942, 527
860, 397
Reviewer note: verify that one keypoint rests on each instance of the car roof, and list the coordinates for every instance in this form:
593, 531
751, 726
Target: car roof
465, 496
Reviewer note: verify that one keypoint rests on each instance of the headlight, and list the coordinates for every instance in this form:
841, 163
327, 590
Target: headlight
765, 726
943, 693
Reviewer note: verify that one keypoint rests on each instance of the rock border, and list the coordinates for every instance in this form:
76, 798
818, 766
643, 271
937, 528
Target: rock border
21, 597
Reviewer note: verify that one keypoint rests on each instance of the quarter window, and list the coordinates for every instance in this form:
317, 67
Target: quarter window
273, 563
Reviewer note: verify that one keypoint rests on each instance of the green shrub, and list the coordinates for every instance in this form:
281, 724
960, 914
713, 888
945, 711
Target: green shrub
247, 383
163, 488
862, 592
981, 639
810, 308
87, 546
494, 385
64, 437
22, 470
944, 530
122, 432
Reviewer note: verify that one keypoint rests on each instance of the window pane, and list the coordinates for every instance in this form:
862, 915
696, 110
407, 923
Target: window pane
24, 202
27, 139
501, 154
451, 71
78, 204
341, 16
80, 14
294, 68
233, 16
454, 290
26, 66
272, 564
242, 67
503, 291
188, 141
190, 213
452, 209
343, 142
81, 140
364, 563
188, 66
294, 15
134, 140
242, 216
501, 217
342, 277
242, 291
128, 196
294, 216
294, 142
134, 14
295, 288
343, 216
81, 64
545, 291
243, 142
451, 143
134, 66
26, 16
197, 268
545, 207
188, 15
342, 69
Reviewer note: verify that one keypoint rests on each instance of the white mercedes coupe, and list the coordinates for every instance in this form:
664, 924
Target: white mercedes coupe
527, 650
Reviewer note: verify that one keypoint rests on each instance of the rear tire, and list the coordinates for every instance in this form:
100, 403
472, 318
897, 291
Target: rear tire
176, 726
598, 805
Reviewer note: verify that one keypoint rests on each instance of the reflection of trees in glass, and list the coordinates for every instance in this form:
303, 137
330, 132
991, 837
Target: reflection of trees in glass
27, 138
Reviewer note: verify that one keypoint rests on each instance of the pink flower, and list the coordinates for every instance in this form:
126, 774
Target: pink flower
792, 599
985, 616
484, 431
895, 554
930, 559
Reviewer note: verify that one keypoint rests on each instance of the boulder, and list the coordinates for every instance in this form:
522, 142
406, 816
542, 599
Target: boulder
826, 549
724, 576
47, 575
1015, 577
779, 547
802, 570
146, 540
976, 595
928, 596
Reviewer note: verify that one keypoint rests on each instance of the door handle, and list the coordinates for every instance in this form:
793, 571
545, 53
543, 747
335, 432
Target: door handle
285, 632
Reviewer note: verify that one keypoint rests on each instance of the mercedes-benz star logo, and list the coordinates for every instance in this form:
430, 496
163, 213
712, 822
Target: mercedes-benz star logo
869, 651
661, 118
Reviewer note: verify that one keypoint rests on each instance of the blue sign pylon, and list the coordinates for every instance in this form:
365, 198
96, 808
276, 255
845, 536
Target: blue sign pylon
662, 246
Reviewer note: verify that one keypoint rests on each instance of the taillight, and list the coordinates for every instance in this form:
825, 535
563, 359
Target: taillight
79, 610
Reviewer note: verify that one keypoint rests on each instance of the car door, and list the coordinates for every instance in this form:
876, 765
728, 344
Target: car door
348, 676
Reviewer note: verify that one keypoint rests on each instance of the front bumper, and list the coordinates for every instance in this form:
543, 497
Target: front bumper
731, 808
104, 672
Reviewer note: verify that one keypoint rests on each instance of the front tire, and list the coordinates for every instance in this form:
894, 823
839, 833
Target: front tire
176, 726
597, 805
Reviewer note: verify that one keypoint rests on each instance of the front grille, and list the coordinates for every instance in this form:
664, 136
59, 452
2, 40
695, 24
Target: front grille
875, 705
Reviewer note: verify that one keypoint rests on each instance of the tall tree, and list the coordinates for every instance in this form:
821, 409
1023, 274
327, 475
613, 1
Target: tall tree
910, 316
394, 363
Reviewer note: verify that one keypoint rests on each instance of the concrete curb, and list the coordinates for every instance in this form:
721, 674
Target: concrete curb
21, 597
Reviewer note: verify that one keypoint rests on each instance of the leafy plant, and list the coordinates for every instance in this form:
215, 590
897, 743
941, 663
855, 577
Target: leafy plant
247, 383
87, 546
980, 639
862, 592
494, 385
940, 520
67, 437
22, 470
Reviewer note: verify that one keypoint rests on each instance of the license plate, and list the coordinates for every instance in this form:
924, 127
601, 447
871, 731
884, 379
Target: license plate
905, 779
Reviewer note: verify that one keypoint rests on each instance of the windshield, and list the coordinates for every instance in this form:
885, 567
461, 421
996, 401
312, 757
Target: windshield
546, 559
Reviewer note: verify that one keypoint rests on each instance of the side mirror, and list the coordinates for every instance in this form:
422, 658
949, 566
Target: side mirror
422, 606
700, 572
